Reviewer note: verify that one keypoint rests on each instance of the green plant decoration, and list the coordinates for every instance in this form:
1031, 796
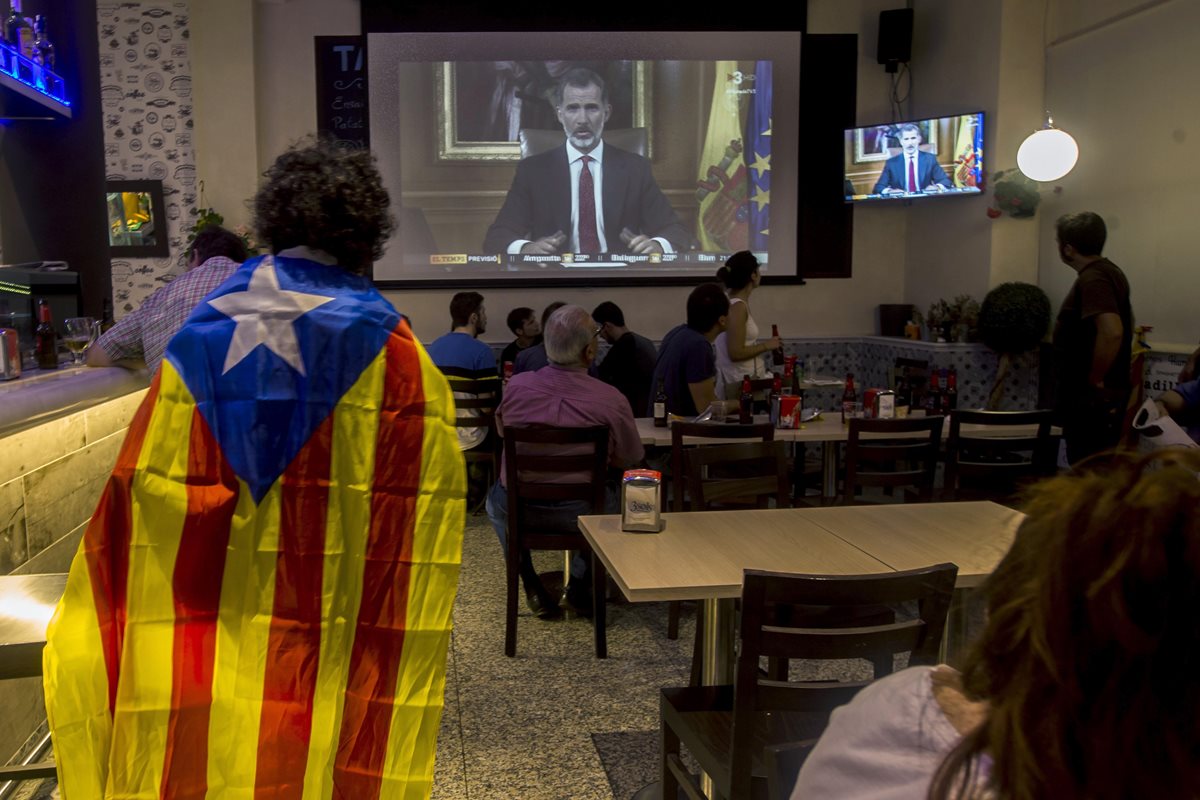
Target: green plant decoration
1014, 319
1014, 194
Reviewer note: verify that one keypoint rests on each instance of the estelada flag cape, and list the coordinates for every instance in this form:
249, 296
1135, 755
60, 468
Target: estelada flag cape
260, 606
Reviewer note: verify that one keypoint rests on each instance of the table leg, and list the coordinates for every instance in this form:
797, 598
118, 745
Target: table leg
829, 469
716, 653
954, 640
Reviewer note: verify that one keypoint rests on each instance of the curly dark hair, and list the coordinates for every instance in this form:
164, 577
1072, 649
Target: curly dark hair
328, 198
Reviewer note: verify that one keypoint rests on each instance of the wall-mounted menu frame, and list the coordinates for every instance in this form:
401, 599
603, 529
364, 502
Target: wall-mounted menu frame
137, 221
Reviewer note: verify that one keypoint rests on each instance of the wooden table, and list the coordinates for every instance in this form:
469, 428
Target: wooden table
829, 431
701, 555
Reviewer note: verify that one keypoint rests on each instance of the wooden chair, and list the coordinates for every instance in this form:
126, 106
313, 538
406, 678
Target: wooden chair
893, 463
784, 762
764, 432
752, 474
983, 467
726, 728
475, 402
756, 473
526, 460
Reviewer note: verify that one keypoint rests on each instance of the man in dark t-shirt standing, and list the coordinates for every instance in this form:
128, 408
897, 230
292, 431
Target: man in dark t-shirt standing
1092, 340
687, 366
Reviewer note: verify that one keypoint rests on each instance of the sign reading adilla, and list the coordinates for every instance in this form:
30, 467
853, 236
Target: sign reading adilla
261, 602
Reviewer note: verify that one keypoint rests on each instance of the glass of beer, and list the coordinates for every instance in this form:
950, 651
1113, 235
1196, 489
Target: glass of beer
80, 333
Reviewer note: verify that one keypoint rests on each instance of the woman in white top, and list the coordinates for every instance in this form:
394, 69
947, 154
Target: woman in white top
1082, 685
739, 353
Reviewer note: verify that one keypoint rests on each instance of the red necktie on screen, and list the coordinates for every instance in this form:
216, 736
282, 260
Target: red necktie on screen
912, 175
589, 240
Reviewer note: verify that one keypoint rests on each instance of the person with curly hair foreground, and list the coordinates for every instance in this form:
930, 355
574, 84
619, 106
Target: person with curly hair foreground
261, 603
1083, 683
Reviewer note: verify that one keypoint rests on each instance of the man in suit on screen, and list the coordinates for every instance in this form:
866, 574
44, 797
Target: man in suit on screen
585, 196
913, 170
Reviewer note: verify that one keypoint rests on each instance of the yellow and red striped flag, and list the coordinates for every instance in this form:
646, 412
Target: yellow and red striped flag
260, 607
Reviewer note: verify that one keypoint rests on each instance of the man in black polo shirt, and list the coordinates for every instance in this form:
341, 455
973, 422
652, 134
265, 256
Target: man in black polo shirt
1092, 340
629, 363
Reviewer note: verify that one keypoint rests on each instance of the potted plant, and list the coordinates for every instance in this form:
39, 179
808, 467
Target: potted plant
1013, 320
939, 322
964, 313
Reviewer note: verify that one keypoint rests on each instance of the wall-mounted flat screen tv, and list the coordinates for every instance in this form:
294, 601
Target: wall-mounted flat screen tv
480, 138
938, 157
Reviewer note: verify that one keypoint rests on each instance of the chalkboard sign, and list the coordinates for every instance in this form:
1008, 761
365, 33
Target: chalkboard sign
342, 89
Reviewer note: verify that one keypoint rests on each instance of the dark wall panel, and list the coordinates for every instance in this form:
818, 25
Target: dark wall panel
52, 173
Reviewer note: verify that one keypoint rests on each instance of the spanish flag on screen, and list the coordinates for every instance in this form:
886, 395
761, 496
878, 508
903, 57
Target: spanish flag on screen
260, 607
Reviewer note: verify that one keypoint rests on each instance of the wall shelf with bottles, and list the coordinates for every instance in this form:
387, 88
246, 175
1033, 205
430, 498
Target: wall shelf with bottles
32, 81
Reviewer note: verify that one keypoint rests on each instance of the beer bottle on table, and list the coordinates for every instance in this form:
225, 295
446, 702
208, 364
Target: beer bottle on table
950, 398
45, 341
903, 393
660, 407
746, 403
777, 353
789, 369
849, 398
776, 393
933, 395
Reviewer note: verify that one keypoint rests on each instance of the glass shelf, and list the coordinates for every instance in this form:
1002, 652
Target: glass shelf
38, 83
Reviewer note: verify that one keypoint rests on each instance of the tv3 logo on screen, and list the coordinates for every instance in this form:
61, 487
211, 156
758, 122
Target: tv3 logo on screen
739, 81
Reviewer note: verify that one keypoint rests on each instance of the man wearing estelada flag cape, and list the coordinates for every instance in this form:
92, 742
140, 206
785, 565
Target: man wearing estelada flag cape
260, 606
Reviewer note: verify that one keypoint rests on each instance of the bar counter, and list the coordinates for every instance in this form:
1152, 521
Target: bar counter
40, 396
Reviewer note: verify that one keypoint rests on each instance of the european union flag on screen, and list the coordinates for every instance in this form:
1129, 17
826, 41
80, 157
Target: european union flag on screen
758, 157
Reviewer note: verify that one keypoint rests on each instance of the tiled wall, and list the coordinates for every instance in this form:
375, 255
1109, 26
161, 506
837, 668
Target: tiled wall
145, 90
50, 479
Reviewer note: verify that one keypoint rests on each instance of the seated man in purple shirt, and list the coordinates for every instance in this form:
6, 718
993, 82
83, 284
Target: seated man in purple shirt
140, 337
563, 395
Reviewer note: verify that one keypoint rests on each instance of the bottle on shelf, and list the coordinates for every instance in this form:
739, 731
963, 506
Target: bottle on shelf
43, 48
777, 354
660, 406
746, 403
849, 398
45, 341
17, 31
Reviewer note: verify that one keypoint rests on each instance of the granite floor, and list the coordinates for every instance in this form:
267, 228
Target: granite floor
553, 722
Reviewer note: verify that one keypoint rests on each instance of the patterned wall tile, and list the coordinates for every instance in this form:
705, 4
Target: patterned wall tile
146, 87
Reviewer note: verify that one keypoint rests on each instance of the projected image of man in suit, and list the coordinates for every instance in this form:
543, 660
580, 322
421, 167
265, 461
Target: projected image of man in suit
912, 170
585, 196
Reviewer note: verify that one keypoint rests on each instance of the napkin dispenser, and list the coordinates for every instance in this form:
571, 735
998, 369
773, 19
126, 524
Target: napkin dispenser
641, 499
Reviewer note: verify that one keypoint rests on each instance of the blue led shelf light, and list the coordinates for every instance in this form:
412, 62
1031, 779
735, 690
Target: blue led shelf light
28, 78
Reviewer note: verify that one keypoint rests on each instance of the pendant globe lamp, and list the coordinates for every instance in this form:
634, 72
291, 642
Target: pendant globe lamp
1048, 153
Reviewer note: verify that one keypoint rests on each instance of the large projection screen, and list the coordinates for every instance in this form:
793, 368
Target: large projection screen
714, 117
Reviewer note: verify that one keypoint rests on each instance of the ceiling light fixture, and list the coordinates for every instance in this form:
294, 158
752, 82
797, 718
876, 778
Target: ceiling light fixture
1047, 154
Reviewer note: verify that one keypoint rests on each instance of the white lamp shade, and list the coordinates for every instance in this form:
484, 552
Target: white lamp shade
1047, 154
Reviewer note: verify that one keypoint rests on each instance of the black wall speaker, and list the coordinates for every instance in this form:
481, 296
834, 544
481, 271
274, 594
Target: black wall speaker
895, 37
